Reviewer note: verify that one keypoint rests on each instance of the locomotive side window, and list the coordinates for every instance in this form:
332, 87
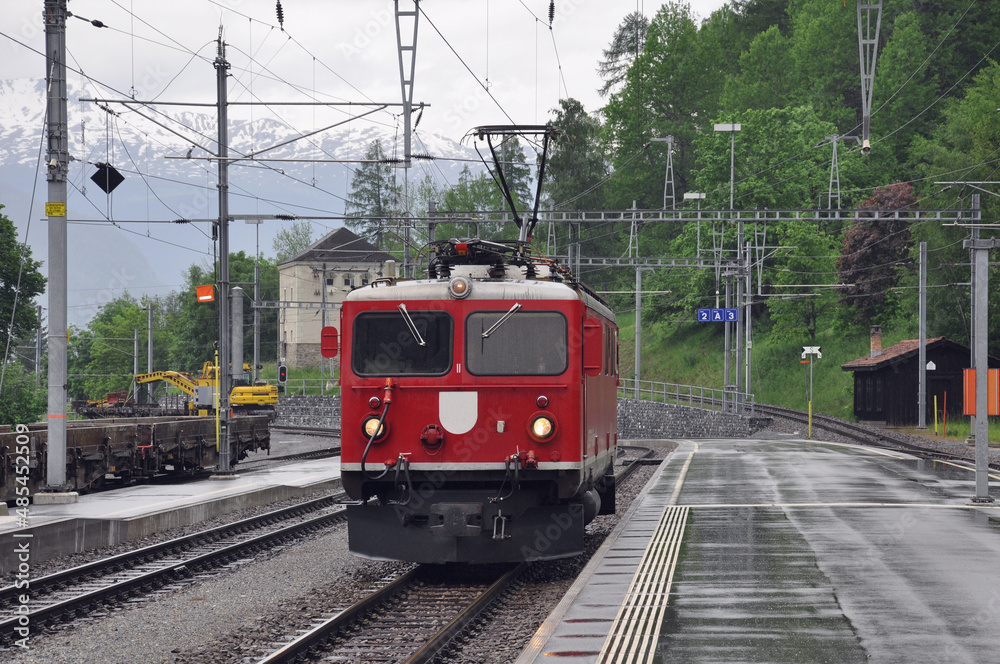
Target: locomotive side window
385, 345
527, 343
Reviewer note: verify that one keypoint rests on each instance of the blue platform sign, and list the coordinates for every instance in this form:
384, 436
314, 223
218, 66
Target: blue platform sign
728, 315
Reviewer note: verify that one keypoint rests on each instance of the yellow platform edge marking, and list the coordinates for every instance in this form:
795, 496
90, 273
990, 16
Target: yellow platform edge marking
636, 627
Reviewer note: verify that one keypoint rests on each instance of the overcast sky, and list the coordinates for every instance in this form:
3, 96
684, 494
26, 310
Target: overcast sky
330, 50
343, 49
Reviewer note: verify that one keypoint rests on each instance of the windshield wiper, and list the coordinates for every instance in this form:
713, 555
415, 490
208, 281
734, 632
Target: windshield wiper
503, 319
410, 324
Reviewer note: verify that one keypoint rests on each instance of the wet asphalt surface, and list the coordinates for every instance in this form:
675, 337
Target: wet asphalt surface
803, 551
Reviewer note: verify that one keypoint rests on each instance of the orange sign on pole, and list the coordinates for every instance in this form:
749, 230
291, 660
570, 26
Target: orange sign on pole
205, 293
992, 392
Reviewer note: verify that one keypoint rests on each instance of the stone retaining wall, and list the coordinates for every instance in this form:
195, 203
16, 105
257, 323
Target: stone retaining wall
648, 419
308, 410
636, 419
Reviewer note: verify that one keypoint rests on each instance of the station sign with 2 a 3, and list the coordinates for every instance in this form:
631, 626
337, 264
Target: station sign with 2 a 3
727, 315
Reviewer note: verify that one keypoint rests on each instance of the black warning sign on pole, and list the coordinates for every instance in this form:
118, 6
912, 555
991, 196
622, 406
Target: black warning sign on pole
106, 177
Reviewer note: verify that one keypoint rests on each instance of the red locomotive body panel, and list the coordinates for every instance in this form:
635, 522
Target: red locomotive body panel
470, 424
485, 418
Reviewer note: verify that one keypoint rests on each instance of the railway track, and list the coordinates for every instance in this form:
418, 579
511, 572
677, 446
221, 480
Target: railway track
411, 619
421, 615
87, 590
256, 464
307, 431
864, 435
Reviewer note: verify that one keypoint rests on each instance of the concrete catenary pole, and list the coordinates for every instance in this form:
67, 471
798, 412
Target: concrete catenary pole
981, 265
57, 159
222, 67
922, 368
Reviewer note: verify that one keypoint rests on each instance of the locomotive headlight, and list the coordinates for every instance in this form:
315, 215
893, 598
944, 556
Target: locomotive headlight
459, 288
370, 426
542, 428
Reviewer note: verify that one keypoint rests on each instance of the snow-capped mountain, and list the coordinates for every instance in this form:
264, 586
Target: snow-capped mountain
125, 241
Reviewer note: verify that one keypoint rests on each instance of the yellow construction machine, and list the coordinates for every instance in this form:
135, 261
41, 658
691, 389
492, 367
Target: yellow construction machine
247, 397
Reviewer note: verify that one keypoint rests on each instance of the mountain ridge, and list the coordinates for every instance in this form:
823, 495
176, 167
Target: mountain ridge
125, 241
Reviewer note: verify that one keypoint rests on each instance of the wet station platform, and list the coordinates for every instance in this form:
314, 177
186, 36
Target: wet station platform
789, 551
110, 517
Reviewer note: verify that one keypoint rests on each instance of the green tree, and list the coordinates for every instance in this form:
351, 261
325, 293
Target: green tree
765, 78
481, 194
779, 163
669, 91
965, 146
23, 399
963, 149
824, 51
968, 31
374, 200
754, 17
292, 240
195, 324
801, 302
516, 173
575, 167
874, 256
905, 90
474, 193
626, 45
422, 193
110, 347
21, 282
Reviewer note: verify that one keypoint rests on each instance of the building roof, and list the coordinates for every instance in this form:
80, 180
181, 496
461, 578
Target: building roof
340, 247
895, 353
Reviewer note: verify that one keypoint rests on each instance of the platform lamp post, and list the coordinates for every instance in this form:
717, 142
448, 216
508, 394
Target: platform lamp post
732, 129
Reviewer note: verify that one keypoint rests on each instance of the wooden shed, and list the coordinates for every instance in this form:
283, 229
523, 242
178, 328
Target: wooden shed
886, 382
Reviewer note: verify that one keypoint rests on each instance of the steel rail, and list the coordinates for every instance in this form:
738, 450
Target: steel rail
314, 638
314, 431
865, 435
440, 641
147, 582
311, 642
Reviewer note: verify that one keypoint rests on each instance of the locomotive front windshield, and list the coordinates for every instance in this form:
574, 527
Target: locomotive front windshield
391, 343
517, 343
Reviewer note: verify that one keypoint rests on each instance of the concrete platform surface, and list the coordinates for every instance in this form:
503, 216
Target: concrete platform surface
789, 551
110, 517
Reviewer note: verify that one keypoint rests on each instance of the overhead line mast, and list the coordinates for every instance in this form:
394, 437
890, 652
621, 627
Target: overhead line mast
223, 370
868, 51
406, 88
57, 159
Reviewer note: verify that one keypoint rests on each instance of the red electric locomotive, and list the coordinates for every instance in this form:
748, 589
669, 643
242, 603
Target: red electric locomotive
479, 409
